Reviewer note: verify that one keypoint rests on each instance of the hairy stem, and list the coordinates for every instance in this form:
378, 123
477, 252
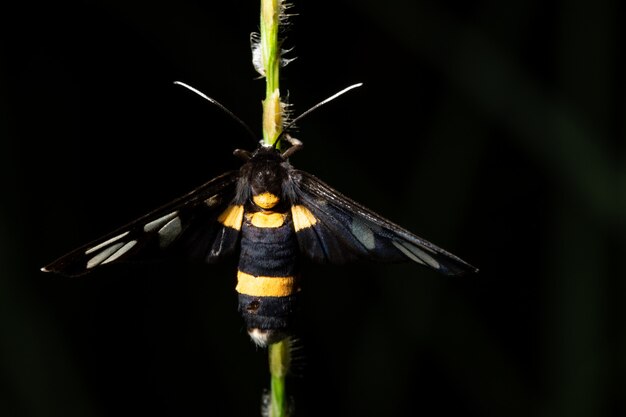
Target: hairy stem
279, 358
279, 353
270, 55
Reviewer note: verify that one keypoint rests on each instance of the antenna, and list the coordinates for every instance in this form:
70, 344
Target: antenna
317, 106
220, 106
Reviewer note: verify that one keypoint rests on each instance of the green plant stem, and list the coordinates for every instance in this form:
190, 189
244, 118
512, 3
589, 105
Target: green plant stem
279, 353
270, 53
279, 358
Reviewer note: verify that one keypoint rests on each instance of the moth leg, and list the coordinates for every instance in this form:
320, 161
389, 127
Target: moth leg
296, 145
242, 154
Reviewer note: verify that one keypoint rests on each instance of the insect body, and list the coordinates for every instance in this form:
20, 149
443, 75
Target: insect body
270, 215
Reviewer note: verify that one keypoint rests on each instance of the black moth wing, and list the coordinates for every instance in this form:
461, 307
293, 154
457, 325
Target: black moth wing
344, 231
186, 226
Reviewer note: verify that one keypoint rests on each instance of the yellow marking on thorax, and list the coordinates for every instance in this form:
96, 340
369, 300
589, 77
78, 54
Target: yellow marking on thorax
265, 200
232, 217
302, 217
263, 219
265, 286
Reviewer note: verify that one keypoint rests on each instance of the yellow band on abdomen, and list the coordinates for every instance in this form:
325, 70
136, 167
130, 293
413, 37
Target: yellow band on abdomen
265, 286
266, 220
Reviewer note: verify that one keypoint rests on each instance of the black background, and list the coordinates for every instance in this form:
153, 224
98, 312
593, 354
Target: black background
494, 129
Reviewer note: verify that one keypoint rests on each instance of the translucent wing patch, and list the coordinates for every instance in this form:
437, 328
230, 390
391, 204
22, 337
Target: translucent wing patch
344, 231
187, 226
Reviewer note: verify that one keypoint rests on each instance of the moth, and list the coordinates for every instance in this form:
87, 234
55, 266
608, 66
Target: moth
270, 216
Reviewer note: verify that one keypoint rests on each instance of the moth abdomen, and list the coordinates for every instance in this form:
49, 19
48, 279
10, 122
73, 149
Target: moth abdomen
268, 251
267, 277
269, 319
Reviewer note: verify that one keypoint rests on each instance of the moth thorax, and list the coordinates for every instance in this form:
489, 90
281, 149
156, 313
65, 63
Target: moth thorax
266, 200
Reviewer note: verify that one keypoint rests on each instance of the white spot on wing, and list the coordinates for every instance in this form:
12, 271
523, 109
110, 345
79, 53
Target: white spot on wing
155, 224
215, 252
97, 260
120, 252
363, 233
416, 254
169, 232
105, 243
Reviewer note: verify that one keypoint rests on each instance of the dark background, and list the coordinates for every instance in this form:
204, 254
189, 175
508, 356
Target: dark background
494, 129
